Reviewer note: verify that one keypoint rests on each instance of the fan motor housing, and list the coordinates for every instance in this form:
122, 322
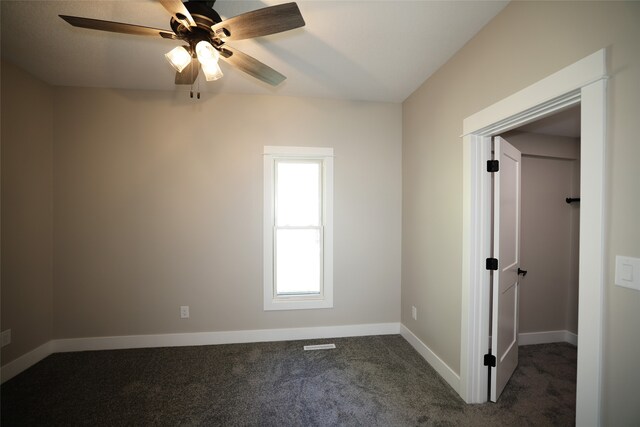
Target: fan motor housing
204, 17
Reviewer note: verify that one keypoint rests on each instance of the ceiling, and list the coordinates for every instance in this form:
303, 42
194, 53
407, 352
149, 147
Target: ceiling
563, 123
357, 50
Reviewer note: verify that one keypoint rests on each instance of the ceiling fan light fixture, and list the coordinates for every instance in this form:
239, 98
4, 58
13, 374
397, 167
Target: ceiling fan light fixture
200, 27
179, 58
211, 71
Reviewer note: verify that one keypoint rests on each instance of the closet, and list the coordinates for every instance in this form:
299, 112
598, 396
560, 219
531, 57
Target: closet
550, 227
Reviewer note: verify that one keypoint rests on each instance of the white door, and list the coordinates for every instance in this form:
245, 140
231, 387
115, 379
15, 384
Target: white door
506, 249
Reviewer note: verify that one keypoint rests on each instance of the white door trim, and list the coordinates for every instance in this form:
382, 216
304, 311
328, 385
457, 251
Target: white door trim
583, 82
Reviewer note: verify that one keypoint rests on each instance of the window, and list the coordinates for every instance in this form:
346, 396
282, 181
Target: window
298, 228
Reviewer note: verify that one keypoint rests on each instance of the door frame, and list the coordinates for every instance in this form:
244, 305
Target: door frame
584, 83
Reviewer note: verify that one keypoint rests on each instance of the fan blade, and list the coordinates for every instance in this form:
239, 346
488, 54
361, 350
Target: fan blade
189, 74
179, 11
251, 66
116, 27
261, 22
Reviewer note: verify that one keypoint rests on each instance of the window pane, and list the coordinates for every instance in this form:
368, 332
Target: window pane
298, 194
297, 261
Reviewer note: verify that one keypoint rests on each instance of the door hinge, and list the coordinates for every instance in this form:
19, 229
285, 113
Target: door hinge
490, 360
493, 165
492, 264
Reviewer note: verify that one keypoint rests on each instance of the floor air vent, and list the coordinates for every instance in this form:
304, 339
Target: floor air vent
319, 347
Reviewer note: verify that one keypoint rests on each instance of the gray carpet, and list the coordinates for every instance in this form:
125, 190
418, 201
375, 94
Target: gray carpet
366, 381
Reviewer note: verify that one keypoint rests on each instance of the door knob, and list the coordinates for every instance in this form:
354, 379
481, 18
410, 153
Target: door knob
523, 272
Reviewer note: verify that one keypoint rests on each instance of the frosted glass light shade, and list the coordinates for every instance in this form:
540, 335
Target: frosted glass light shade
179, 58
207, 54
208, 57
211, 71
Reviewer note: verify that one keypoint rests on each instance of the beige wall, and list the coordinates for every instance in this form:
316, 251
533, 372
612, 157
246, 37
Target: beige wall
523, 44
159, 204
143, 224
549, 232
27, 197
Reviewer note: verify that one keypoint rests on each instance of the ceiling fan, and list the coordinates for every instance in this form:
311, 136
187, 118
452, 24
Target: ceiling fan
206, 36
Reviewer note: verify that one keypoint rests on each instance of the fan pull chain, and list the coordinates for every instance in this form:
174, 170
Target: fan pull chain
197, 89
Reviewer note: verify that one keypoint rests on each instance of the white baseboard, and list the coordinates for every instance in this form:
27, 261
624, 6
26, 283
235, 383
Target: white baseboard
547, 337
13, 368
25, 361
224, 337
438, 364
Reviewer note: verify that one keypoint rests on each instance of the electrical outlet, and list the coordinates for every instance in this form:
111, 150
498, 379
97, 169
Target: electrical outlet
414, 312
184, 311
6, 337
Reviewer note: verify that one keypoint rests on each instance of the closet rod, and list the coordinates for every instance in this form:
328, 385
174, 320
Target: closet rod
571, 200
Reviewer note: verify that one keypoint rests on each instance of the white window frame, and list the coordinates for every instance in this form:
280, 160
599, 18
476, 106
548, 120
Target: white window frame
272, 301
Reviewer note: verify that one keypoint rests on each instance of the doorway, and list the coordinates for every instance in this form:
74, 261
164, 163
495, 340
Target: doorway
550, 231
546, 240
584, 83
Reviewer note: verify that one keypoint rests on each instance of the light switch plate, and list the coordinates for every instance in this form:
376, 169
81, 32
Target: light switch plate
628, 272
6, 337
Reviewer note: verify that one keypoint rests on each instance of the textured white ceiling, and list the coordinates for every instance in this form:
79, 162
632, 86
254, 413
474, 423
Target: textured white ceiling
357, 50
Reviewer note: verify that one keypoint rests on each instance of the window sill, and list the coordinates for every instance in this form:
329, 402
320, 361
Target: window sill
297, 304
